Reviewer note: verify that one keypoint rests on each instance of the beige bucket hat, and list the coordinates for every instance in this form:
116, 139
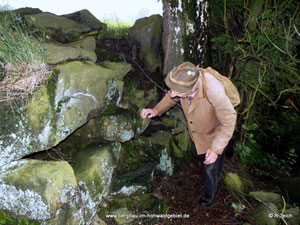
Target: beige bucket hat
183, 77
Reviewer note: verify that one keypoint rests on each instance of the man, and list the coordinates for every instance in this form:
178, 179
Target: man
210, 118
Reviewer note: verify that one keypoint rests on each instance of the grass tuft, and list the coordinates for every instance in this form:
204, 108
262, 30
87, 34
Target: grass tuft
116, 29
23, 66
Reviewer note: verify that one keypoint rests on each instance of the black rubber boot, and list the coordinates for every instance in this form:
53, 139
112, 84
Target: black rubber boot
212, 176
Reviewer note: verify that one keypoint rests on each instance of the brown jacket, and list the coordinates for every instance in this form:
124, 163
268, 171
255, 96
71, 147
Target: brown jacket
210, 125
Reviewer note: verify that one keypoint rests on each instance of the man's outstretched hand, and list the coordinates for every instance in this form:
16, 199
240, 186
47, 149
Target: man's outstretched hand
149, 113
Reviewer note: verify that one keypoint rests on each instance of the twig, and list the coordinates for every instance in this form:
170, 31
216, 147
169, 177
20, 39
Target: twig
146, 75
260, 91
273, 43
296, 30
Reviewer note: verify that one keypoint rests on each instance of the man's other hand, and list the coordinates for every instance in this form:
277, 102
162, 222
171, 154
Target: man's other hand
210, 157
149, 113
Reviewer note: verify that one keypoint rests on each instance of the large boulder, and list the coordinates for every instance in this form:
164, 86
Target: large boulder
36, 189
85, 17
292, 215
268, 197
148, 33
88, 43
266, 214
134, 172
66, 28
144, 204
57, 53
93, 169
134, 94
27, 11
58, 109
114, 124
163, 149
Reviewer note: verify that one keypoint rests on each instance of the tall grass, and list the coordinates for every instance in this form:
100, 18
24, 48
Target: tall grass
23, 65
116, 29
17, 44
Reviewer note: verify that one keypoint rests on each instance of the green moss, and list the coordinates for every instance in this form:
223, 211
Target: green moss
131, 157
6, 219
92, 166
111, 109
38, 110
51, 86
103, 55
234, 183
135, 95
35, 175
148, 31
144, 203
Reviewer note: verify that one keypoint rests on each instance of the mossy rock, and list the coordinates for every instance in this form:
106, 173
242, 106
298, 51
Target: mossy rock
93, 170
131, 156
36, 189
86, 17
58, 109
7, 219
122, 216
134, 172
164, 149
57, 53
234, 183
160, 147
66, 28
27, 11
144, 203
183, 141
293, 215
112, 124
56, 27
265, 216
88, 43
134, 94
148, 32
268, 197
165, 122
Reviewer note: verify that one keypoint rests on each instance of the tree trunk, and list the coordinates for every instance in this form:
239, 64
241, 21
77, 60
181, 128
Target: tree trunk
185, 32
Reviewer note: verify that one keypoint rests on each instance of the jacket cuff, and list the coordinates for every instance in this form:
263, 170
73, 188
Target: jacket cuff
219, 151
159, 109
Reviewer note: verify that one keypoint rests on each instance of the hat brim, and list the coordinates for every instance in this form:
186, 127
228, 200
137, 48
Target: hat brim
176, 87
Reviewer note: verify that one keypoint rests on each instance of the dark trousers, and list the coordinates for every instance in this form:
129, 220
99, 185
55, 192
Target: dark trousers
212, 175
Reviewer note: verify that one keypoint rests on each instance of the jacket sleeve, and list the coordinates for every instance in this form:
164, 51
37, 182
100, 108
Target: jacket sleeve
225, 113
166, 103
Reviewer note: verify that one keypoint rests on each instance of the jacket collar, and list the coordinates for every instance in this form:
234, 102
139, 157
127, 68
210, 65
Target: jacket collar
197, 97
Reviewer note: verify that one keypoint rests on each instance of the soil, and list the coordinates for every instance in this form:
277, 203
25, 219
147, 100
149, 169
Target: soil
181, 192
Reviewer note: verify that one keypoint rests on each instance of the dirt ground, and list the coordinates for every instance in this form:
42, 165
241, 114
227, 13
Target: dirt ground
181, 192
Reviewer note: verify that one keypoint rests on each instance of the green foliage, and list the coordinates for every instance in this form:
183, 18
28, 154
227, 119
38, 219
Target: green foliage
262, 59
116, 29
237, 208
223, 43
6, 220
265, 163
